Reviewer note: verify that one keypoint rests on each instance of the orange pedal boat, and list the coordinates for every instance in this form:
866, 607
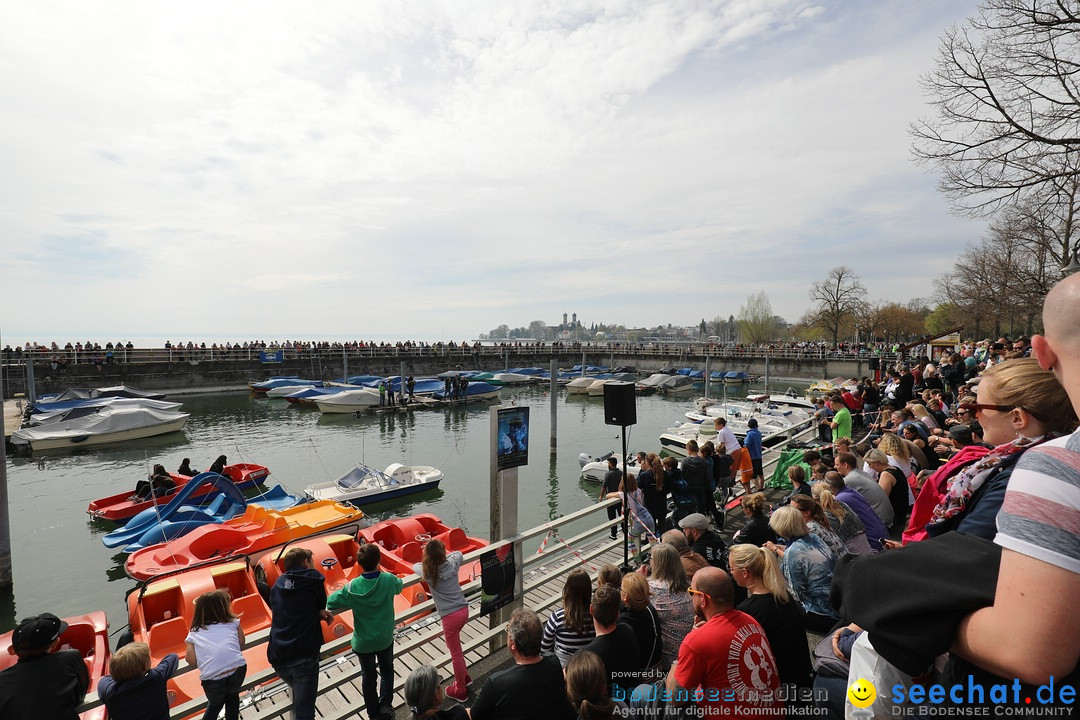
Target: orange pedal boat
256, 530
89, 634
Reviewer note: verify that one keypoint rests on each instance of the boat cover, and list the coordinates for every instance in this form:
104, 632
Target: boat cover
108, 420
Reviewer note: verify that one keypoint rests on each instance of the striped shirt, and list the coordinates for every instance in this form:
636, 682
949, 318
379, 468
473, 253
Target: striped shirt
1040, 516
562, 640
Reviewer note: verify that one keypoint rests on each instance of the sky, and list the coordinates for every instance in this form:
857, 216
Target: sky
432, 170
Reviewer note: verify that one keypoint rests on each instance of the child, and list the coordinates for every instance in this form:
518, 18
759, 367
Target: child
133, 691
371, 598
440, 572
214, 645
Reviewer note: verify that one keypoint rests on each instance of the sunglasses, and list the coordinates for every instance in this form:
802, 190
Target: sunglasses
976, 408
692, 591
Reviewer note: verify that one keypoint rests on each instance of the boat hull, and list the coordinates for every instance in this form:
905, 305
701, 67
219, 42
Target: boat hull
71, 441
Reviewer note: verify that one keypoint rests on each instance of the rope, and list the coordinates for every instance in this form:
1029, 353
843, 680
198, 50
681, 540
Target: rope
576, 554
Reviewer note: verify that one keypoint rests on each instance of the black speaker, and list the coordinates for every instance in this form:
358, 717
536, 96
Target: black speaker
620, 407
875, 363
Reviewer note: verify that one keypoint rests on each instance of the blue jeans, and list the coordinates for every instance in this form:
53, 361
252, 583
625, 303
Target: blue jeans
224, 692
303, 677
384, 697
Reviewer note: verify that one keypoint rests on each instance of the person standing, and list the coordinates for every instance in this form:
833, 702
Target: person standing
298, 604
841, 420
440, 571
215, 644
411, 385
695, 471
752, 443
382, 393
42, 683
612, 479
371, 599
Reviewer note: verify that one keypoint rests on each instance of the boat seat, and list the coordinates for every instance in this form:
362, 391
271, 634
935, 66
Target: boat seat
411, 552
168, 637
253, 612
456, 539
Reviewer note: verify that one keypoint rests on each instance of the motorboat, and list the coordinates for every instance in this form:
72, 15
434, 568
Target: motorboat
745, 409
309, 395
43, 412
402, 542
257, 529
89, 635
510, 378
108, 425
652, 383
676, 384
594, 469
473, 391
674, 439
580, 385
736, 377
157, 525
121, 507
115, 391
261, 386
788, 399
284, 390
364, 485
348, 401
71, 410
597, 387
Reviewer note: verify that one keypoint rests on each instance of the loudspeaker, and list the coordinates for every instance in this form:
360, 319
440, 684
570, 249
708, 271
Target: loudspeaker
875, 363
620, 407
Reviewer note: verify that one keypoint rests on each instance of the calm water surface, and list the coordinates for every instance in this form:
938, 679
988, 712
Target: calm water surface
60, 565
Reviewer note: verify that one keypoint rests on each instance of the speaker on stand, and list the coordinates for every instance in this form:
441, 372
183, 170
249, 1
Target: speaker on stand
620, 408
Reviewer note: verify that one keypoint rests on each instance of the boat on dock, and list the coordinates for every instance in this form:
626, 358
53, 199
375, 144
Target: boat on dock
402, 543
364, 485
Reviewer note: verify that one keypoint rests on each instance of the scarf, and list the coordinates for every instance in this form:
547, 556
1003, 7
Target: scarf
966, 482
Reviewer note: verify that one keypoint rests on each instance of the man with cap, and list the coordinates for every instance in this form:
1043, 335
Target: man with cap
42, 684
703, 540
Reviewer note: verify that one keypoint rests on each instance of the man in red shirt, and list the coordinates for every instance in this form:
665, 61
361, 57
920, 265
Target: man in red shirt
725, 665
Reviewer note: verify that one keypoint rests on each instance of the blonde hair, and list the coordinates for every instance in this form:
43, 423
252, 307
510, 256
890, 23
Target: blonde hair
827, 501
667, 567
636, 590
893, 446
130, 661
760, 563
919, 410
876, 456
788, 523
1023, 384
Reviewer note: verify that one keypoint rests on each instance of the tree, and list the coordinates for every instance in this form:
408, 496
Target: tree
756, 323
836, 299
1007, 122
538, 330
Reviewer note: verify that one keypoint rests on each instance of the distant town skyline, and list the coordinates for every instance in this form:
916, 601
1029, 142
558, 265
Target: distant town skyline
430, 171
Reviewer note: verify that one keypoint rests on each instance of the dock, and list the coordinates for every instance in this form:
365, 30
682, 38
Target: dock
13, 410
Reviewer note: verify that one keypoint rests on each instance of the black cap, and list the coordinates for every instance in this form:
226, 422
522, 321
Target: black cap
37, 633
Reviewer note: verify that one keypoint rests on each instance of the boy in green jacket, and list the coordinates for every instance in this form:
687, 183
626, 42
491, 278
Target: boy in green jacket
371, 598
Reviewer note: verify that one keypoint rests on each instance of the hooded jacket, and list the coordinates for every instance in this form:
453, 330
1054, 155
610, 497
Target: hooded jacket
296, 629
371, 599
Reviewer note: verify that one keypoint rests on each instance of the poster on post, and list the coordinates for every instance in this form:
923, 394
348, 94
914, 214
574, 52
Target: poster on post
497, 574
512, 448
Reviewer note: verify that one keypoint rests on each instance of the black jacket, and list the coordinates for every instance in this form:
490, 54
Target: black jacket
295, 628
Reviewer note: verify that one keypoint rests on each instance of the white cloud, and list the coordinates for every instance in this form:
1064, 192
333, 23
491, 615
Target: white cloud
409, 168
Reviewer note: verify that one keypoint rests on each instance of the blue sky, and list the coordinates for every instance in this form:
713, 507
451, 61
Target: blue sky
431, 170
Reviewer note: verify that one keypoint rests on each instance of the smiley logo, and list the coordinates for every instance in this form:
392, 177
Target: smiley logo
862, 693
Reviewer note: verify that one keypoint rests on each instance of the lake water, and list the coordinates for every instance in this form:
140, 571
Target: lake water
60, 565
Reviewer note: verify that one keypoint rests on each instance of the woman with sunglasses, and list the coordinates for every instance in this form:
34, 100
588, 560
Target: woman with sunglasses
1019, 405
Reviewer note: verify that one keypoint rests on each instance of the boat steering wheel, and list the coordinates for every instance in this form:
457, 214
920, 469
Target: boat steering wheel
329, 563
422, 537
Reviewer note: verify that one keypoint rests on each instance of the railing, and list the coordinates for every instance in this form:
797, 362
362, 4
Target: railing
687, 352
